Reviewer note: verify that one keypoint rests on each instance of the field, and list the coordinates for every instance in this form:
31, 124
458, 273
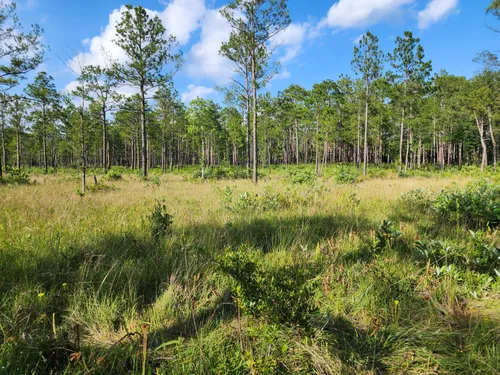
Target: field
391, 274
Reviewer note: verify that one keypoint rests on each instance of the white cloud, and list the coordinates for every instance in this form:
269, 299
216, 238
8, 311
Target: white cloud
283, 74
360, 13
194, 92
435, 11
291, 40
180, 18
203, 60
99, 44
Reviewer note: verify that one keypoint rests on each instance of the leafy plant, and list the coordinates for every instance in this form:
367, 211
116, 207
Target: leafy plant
476, 207
281, 295
114, 175
386, 235
301, 176
160, 221
345, 175
18, 176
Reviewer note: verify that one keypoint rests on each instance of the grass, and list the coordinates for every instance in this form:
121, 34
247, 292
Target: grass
85, 288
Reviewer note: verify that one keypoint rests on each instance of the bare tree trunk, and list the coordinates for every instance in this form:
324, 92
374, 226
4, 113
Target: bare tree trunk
255, 138
493, 141
358, 149
144, 134
317, 145
480, 127
4, 151
401, 136
365, 161
104, 139
297, 141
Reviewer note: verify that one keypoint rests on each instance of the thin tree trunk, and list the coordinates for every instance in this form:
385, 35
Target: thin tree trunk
144, 135
365, 159
480, 127
493, 141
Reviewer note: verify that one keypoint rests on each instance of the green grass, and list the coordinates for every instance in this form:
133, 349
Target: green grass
85, 286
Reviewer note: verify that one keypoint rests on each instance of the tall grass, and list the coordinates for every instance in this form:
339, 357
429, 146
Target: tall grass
85, 282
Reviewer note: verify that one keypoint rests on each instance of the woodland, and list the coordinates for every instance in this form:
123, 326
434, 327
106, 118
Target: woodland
349, 228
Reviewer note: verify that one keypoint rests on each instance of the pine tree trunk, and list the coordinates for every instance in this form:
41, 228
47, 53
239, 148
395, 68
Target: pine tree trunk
365, 159
144, 134
480, 127
493, 141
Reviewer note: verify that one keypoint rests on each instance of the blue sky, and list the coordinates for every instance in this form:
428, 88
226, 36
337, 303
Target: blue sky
318, 45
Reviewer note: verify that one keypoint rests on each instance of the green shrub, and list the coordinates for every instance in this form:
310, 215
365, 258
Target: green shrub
345, 175
418, 199
281, 295
301, 176
386, 235
114, 175
476, 207
18, 176
160, 221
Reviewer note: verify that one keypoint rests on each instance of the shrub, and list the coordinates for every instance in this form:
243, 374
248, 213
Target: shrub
345, 175
18, 176
301, 176
386, 235
281, 295
153, 181
114, 175
160, 221
476, 207
417, 199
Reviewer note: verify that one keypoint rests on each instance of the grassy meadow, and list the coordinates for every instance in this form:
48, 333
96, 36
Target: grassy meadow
391, 274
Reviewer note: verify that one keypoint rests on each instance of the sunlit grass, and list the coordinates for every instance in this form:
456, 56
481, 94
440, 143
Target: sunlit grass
81, 276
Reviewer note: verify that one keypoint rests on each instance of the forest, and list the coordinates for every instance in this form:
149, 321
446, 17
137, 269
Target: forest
349, 228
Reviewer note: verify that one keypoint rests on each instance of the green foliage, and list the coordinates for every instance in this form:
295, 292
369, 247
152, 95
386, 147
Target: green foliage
281, 295
346, 175
301, 176
160, 221
417, 199
222, 173
476, 207
386, 235
114, 175
18, 176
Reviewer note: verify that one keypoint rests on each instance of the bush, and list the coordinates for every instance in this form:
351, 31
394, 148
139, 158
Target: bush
114, 175
476, 207
18, 176
281, 295
418, 199
345, 175
160, 221
301, 176
386, 235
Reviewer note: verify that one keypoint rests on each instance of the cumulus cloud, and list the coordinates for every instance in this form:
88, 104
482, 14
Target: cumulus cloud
194, 92
203, 60
291, 40
360, 13
435, 11
180, 18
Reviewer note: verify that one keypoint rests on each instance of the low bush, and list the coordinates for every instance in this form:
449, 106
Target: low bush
476, 207
160, 221
282, 295
114, 175
18, 176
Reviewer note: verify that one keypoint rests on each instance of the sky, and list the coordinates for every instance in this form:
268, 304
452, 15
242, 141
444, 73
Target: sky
317, 45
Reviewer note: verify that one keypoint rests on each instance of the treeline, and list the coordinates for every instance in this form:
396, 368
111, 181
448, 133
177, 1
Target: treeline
392, 110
